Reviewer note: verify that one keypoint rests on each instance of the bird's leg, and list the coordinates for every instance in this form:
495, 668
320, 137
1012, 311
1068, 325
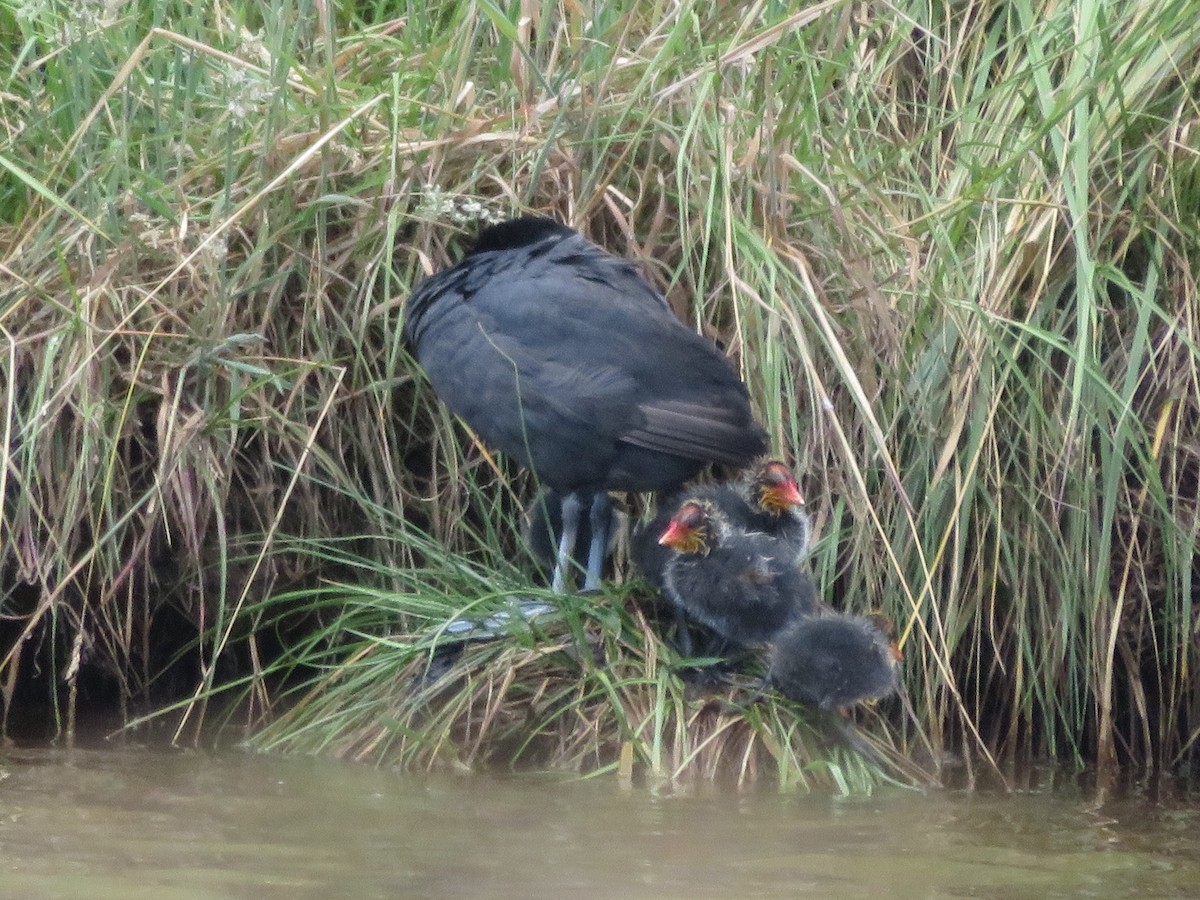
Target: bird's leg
572, 505
683, 635
600, 521
761, 691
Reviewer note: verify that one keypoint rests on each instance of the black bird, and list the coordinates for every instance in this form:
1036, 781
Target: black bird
767, 500
563, 357
833, 661
772, 503
734, 582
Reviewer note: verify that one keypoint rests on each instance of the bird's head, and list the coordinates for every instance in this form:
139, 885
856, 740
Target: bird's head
775, 488
887, 626
693, 528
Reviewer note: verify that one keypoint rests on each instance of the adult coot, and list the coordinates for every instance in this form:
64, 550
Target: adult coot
563, 357
734, 582
833, 661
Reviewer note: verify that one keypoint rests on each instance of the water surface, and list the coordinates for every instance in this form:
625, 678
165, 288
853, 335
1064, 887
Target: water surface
140, 824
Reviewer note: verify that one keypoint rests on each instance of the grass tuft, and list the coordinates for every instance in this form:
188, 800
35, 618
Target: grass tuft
953, 250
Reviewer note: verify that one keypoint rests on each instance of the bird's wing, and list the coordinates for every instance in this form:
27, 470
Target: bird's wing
705, 431
587, 393
681, 396
596, 392
587, 340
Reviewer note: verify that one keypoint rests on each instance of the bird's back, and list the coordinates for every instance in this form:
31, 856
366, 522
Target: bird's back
741, 589
833, 661
792, 527
562, 356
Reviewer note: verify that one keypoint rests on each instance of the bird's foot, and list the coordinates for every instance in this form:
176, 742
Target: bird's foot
705, 680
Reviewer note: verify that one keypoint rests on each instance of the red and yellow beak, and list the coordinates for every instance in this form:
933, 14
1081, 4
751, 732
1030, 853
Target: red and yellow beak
782, 496
675, 534
678, 536
687, 532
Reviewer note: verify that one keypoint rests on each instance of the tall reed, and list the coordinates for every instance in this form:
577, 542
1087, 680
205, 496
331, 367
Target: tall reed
953, 250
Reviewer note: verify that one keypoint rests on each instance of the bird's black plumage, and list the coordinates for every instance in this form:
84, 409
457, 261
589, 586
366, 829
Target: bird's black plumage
731, 581
771, 504
832, 661
648, 554
766, 501
563, 357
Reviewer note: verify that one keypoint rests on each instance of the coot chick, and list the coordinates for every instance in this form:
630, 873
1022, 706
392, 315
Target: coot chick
731, 581
767, 501
772, 503
833, 661
563, 357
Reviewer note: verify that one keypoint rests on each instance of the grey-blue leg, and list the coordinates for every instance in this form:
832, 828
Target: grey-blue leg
601, 522
572, 506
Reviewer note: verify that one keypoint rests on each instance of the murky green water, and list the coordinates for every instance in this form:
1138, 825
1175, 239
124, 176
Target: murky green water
133, 824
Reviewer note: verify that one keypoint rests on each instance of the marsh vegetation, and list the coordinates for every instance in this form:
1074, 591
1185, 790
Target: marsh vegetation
952, 250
